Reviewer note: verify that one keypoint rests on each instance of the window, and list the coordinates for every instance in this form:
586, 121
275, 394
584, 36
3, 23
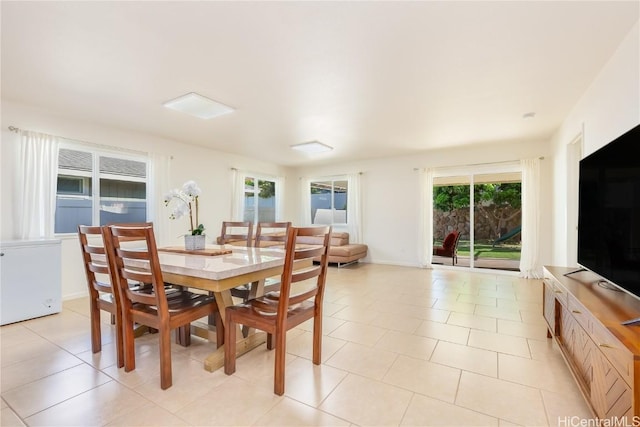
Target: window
119, 196
259, 200
486, 209
329, 201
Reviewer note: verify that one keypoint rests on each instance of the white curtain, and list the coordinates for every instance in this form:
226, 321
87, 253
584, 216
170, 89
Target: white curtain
36, 180
159, 186
354, 207
426, 218
279, 198
529, 259
237, 194
305, 200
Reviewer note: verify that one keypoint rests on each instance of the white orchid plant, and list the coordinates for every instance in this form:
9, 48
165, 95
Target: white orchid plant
185, 201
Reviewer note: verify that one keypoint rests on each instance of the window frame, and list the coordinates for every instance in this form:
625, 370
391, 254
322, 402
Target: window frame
256, 191
95, 175
333, 179
471, 172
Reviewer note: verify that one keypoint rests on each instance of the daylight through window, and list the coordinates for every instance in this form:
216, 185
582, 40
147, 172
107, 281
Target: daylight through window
120, 195
329, 201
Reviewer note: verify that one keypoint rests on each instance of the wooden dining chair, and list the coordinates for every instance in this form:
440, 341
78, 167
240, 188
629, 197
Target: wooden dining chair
141, 264
267, 234
236, 231
276, 313
102, 295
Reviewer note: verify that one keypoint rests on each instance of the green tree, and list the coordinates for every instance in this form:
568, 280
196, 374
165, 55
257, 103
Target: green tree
267, 188
497, 202
449, 197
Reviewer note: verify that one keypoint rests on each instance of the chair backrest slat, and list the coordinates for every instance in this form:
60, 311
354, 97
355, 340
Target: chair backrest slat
306, 251
94, 259
275, 232
230, 232
299, 276
97, 268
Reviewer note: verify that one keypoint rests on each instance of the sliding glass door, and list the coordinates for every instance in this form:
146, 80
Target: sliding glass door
485, 209
451, 214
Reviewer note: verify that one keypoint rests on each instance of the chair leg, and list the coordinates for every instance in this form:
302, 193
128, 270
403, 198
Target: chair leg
219, 330
165, 358
229, 345
212, 318
281, 354
128, 342
183, 335
119, 340
269, 341
317, 339
96, 338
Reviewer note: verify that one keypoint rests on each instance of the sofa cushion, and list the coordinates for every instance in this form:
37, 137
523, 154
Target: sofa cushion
337, 239
348, 251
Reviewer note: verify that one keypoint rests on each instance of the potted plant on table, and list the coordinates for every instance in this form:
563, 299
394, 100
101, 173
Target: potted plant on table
185, 201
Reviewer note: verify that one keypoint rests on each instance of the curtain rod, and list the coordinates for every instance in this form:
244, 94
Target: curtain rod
477, 164
93, 144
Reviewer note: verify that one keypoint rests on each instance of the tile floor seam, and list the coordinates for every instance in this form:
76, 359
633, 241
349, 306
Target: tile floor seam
540, 349
14, 412
82, 362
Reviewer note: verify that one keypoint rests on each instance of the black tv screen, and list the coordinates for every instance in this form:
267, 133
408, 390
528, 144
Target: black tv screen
609, 212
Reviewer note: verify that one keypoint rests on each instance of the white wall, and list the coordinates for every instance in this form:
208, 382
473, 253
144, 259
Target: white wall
390, 186
210, 169
609, 107
390, 193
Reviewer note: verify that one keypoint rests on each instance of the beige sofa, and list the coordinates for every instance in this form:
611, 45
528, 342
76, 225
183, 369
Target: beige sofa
341, 252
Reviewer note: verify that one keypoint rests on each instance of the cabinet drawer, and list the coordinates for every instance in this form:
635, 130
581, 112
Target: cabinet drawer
582, 316
618, 355
560, 293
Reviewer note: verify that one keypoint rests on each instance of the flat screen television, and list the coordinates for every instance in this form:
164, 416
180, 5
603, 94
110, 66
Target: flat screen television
609, 212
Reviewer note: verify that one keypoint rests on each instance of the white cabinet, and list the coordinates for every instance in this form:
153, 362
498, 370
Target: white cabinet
30, 279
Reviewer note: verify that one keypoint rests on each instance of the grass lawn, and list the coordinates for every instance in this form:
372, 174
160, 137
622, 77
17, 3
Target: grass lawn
486, 250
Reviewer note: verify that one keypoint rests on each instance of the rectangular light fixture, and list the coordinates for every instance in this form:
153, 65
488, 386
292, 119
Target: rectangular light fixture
198, 106
312, 147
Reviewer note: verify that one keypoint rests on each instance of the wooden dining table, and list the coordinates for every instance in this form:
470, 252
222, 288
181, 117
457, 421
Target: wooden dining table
218, 272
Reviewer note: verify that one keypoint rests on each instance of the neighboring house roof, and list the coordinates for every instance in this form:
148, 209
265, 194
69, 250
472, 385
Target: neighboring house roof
82, 161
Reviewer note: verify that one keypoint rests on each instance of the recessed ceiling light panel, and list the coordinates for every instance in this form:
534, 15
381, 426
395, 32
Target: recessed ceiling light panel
312, 147
198, 106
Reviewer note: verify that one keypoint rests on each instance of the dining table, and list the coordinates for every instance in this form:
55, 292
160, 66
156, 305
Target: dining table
218, 269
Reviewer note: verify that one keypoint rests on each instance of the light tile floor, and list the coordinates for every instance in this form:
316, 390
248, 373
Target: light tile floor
402, 346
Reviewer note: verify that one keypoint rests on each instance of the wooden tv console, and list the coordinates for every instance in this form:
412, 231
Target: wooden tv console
586, 319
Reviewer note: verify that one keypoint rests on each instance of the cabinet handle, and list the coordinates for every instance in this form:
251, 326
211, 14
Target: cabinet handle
606, 346
576, 311
557, 291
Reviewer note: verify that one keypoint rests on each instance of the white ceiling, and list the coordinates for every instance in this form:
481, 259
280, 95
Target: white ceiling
372, 79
